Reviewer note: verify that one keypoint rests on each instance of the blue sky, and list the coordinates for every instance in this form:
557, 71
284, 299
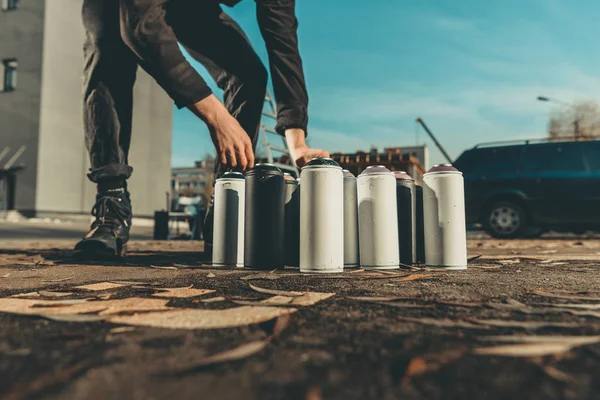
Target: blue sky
471, 69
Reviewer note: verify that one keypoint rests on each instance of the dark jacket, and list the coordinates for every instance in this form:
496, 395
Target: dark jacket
155, 45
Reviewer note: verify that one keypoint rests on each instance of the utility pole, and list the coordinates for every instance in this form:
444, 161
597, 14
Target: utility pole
439, 146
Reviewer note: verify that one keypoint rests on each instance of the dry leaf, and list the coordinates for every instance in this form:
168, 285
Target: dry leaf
5, 275
100, 286
571, 340
523, 324
238, 353
28, 295
162, 267
75, 318
204, 319
262, 275
458, 304
378, 299
579, 306
213, 300
544, 347
210, 275
443, 323
563, 295
276, 292
307, 299
47, 293
58, 280
471, 259
414, 277
105, 307
509, 261
430, 363
182, 293
121, 329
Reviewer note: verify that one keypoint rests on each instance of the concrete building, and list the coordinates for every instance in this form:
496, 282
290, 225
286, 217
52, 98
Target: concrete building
193, 181
41, 124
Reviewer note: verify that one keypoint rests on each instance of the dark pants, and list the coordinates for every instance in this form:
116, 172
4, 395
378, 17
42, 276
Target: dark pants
209, 35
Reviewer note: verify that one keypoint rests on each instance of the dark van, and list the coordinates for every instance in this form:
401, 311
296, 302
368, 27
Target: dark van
524, 189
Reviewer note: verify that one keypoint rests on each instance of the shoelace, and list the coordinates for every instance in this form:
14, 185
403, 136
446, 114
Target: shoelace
113, 206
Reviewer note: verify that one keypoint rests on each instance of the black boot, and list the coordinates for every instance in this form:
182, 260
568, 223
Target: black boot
109, 233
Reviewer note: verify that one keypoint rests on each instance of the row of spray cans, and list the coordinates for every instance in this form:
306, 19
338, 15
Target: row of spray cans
329, 219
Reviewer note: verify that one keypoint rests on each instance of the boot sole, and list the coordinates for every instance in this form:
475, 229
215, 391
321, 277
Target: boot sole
94, 250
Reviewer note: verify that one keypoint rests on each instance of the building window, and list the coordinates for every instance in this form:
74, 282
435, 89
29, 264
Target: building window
8, 75
9, 4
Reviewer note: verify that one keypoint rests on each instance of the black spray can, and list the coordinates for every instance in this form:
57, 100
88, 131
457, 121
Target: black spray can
420, 226
264, 218
292, 221
407, 223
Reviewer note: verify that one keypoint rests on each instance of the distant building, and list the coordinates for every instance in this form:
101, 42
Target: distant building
43, 160
193, 181
412, 159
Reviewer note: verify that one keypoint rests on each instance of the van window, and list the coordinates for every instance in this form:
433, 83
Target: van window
591, 152
496, 160
553, 157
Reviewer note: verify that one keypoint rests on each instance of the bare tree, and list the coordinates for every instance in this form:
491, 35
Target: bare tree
582, 121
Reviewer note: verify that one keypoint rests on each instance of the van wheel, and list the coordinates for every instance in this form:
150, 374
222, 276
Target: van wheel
504, 219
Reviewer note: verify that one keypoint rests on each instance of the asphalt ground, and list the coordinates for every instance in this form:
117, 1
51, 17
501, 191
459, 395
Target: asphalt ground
522, 322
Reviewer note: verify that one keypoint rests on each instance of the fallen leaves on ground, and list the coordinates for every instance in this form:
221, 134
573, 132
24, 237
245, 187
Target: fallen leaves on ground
306, 299
242, 351
536, 346
163, 267
414, 277
430, 363
47, 293
204, 319
100, 286
499, 323
122, 329
378, 298
443, 323
60, 307
568, 296
58, 280
182, 292
213, 299
75, 318
276, 292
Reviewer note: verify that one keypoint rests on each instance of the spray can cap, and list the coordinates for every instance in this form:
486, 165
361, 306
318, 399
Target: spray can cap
233, 175
441, 168
348, 174
401, 175
265, 169
376, 170
322, 162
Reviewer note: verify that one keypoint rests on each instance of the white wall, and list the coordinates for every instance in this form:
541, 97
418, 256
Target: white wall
62, 185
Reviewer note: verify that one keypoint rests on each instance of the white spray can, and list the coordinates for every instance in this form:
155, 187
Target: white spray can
228, 229
444, 218
378, 219
351, 257
322, 217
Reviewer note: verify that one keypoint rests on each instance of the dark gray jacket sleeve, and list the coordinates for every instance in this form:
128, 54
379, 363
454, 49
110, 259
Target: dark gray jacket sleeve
144, 30
278, 25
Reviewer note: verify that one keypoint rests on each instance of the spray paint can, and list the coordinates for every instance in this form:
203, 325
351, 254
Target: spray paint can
322, 217
264, 229
444, 217
292, 221
228, 227
351, 251
378, 219
420, 228
407, 223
